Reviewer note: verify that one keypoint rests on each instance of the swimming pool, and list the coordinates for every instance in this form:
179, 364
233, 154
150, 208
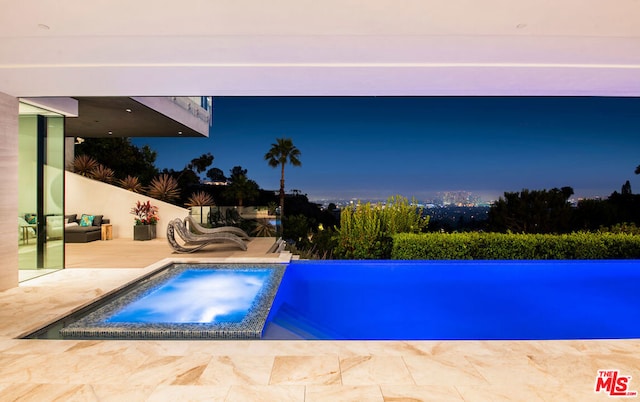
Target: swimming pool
457, 300
371, 300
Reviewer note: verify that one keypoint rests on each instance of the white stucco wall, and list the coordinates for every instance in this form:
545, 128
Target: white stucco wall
86, 196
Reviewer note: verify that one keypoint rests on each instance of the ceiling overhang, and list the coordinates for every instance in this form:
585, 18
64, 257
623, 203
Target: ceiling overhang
104, 117
334, 47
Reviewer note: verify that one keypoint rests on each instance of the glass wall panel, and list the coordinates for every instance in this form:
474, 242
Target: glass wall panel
40, 192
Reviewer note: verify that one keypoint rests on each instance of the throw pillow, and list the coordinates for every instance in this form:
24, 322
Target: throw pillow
86, 220
32, 219
97, 220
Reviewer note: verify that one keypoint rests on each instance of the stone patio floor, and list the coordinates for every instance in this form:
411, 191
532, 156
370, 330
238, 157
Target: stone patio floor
79, 370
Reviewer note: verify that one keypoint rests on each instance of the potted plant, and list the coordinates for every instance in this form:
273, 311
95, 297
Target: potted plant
146, 217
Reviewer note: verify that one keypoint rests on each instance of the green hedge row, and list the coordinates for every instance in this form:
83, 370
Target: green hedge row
499, 246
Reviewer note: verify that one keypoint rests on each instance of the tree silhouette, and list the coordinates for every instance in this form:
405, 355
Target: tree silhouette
216, 174
201, 163
241, 189
537, 211
237, 172
281, 153
124, 158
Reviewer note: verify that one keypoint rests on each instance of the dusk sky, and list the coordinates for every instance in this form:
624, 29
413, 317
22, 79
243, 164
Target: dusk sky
375, 147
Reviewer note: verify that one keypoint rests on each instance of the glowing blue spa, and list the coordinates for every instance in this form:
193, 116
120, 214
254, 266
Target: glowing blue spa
197, 296
186, 301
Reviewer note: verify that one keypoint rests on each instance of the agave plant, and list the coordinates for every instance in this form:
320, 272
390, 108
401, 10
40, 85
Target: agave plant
164, 188
84, 165
102, 173
200, 199
131, 183
264, 229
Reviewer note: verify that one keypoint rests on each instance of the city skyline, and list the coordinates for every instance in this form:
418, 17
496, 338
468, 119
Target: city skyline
375, 147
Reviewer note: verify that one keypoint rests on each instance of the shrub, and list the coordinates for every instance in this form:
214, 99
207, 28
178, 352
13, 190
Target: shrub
400, 216
263, 228
164, 188
360, 235
499, 246
365, 231
131, 183
145, 213
102, 173
200, 199
84, 165
624, 227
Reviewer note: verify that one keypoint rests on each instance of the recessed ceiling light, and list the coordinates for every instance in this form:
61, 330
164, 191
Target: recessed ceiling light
110, 132
44, 27
179, 132
521, 26
128, 110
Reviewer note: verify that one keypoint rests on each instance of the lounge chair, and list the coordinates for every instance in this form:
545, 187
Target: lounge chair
197, 228
195, 242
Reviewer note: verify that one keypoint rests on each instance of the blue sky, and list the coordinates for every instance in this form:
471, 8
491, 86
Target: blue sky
375, 147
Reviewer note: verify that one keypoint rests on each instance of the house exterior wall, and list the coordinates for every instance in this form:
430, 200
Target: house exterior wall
8, 191
87, 196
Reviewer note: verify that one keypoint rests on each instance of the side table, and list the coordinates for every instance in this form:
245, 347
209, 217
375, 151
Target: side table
25, 232
107, 231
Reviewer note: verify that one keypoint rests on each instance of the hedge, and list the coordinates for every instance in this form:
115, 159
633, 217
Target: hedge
499, 246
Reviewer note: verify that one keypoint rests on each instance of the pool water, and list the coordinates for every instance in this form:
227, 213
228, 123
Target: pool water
462, 300
196, 296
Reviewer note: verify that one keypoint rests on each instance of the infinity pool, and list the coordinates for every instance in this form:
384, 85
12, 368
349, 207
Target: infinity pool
415, 300
376, 300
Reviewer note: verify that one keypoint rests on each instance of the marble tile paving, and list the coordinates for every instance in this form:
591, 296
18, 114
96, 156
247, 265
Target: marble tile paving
120, 370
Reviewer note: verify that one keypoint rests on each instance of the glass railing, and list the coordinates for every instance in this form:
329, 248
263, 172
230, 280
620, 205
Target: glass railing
256, 221
199, 106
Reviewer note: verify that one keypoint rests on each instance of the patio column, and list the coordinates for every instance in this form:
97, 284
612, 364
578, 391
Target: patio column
8, 191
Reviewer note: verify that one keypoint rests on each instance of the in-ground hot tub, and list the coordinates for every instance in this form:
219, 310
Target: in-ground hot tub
182, 301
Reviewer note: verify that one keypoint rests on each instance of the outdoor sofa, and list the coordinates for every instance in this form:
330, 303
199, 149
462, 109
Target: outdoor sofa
75, 231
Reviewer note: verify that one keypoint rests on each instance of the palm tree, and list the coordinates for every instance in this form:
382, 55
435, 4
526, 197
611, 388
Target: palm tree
281, 152
242, 188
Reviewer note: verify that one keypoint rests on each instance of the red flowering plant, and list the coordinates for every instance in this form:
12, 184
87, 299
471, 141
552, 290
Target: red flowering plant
146, 214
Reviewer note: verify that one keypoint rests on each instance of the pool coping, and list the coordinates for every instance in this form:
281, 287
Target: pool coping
282, 259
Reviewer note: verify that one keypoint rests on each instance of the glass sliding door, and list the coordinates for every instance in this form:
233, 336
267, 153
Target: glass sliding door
40, 192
